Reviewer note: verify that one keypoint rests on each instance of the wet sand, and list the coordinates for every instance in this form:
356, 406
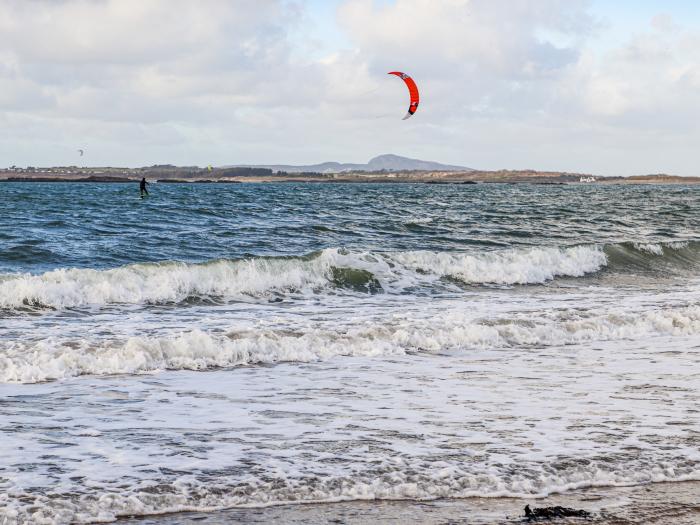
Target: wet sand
659, 503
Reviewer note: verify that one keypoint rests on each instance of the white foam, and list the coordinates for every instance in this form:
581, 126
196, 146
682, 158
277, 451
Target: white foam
654, 249
658, 248
395, 480
677, 245
261, 277
167, 282
419, 220
52, 358
512, 266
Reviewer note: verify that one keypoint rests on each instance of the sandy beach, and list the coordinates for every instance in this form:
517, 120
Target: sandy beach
653, 504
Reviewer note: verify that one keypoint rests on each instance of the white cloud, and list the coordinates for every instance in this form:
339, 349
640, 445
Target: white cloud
653, 78
118, 59
471, 36
525, 76
505, 83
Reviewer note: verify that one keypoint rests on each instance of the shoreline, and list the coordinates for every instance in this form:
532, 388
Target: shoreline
662, 503
680, 181
194, 175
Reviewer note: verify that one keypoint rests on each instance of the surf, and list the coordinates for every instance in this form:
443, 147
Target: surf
330, 270
281, 340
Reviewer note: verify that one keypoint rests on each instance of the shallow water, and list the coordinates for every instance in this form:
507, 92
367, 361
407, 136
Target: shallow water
659, 503
219, 346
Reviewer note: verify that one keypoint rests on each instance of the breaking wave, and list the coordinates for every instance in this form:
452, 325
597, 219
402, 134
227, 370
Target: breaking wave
654, 258
51, 359
330, 271
327, 270
398, 479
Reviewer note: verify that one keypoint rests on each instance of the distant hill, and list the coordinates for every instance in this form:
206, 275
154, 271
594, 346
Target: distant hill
382, 162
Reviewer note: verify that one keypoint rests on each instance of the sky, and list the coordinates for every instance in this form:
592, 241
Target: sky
590, 86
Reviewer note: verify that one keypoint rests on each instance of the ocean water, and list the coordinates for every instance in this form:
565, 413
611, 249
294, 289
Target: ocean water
225, 346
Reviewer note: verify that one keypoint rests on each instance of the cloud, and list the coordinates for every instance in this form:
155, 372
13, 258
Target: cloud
138, 60
652, 81
505, 83
489, 37
522, 83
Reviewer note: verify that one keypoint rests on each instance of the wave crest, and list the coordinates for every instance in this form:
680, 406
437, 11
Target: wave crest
265, 277
515, 266
654, 258
333, 270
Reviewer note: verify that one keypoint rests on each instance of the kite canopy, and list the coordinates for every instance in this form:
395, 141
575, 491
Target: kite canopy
81, 152
412, 90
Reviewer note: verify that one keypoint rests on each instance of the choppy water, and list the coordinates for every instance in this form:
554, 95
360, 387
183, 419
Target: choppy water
216, 346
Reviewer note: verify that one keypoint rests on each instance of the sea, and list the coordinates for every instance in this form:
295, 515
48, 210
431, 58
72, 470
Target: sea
223, 352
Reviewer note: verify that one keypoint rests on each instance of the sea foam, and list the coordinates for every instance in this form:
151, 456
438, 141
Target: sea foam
328, 270
53, 358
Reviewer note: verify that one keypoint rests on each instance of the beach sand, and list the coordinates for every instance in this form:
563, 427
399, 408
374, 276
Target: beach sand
658, 503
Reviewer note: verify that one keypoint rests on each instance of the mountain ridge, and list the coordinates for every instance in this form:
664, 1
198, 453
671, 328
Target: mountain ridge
387, 162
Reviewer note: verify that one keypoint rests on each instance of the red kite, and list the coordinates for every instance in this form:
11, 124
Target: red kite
412, 90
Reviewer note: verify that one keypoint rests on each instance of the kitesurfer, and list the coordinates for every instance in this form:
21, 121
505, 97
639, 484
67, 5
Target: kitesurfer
143, 187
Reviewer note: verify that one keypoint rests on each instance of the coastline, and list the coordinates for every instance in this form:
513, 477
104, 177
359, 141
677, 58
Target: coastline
446, 178
233, 175
676, 503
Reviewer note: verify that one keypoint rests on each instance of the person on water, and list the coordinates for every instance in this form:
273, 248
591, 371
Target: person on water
143, 187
